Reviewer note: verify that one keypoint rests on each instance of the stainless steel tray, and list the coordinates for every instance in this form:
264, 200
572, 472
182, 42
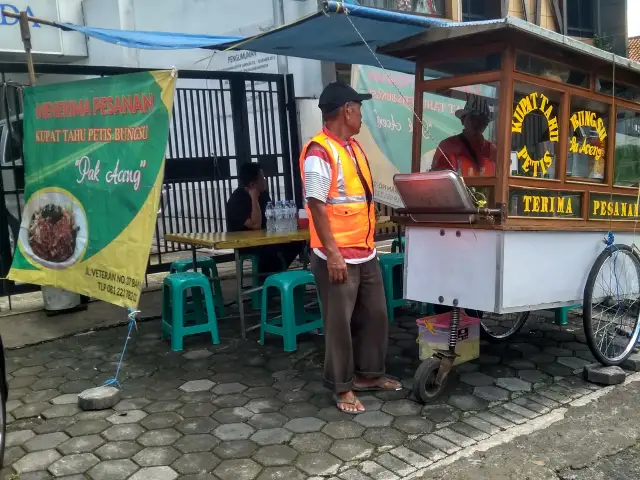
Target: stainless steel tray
441, 190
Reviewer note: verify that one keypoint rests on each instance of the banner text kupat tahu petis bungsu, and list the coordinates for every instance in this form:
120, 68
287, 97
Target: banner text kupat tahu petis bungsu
94, 162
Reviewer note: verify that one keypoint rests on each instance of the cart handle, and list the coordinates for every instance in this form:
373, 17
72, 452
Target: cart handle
484, 212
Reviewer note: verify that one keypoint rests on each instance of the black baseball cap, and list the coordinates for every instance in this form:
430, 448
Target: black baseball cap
336, 94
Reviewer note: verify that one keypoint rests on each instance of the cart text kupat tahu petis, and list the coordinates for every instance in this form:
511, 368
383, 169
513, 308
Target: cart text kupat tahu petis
540, 212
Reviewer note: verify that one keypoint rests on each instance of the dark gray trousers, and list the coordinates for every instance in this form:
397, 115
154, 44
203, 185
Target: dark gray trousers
356, 327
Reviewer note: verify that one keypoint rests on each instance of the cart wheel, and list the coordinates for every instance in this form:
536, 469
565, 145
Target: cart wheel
498, 328
610, 307
424, 387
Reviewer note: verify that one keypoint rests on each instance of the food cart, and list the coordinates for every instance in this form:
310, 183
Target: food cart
555, 225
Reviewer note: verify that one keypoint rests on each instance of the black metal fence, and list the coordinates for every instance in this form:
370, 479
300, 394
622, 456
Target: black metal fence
228, 119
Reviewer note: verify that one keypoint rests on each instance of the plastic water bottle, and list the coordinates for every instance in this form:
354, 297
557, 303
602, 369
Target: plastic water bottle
279, 211
293, 209
269, 213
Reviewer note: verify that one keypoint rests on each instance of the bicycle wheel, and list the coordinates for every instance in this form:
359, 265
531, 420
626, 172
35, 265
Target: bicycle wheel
499, 328
611, 305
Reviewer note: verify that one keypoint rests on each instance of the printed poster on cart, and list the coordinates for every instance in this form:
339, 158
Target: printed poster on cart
94, 161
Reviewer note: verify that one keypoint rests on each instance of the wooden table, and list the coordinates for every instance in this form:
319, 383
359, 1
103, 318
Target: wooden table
238, 240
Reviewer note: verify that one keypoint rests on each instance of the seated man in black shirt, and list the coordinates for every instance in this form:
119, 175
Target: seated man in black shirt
246, 211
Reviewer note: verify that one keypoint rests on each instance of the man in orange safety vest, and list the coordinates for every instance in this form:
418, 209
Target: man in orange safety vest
338, 188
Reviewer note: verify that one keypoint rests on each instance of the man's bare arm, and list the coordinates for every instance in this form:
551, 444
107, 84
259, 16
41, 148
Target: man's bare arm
335, 262
254, 222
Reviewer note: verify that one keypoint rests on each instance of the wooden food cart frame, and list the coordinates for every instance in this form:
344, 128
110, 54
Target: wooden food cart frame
601, 201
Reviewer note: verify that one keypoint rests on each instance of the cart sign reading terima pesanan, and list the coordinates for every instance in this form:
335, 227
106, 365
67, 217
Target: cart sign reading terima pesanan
94, 162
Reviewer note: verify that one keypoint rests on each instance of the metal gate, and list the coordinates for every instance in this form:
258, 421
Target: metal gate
218, 123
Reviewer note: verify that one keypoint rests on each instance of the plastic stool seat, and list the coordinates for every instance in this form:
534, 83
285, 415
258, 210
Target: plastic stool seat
294, 320
209, 268
180, 319
388, 263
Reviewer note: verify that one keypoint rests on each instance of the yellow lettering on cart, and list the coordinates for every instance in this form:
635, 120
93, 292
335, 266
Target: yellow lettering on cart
530, 103
547, 204
620, 209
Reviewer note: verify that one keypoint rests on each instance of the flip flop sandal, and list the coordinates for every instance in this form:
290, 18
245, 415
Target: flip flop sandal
354, 403
378, 386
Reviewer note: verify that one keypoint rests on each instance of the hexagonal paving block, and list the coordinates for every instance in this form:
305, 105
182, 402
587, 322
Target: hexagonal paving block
89, 427
233, 431
268, 420
236, 449
514, 384
197, 425
318, 463
237, 470
229, 388
439, 413
384, 436
343, 429
123, 432
74, 464
373, 419
117, 450
130, 416
271, 436
83, 444
159, 438
534, 376
36, 461
113, 470
197, 386
197, 354
18, 437
232, 415
163, 406
468, 403
196, 443
413, 425
476, 379
573, 362
40, 396
157, 421
399, 408
197, 409
277, 473
305, 425
131, 404
156, 456
491, 394
311, 442
264, 405
229, 401
30, 410
45, 442
275, 455
351, 449
155, 473
194, 463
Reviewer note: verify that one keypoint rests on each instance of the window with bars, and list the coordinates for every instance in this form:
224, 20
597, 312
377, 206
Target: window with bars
477, 10
581, 18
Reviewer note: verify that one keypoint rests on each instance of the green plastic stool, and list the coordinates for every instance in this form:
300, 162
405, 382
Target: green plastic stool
394, 245
294, 319
389, 262
209, 268
180, 319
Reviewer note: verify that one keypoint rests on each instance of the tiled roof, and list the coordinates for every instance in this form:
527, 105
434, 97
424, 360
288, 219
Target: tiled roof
634, 48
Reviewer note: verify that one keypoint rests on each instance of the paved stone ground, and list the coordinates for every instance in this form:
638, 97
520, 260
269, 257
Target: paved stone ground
240, 410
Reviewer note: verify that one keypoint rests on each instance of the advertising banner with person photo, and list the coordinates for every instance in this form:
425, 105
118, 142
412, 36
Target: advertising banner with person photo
94, 162
387, 125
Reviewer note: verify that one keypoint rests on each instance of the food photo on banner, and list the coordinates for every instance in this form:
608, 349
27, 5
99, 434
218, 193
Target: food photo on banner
387, 124
94, 163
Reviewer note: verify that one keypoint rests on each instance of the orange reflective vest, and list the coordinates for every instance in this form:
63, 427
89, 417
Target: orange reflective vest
349, 205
